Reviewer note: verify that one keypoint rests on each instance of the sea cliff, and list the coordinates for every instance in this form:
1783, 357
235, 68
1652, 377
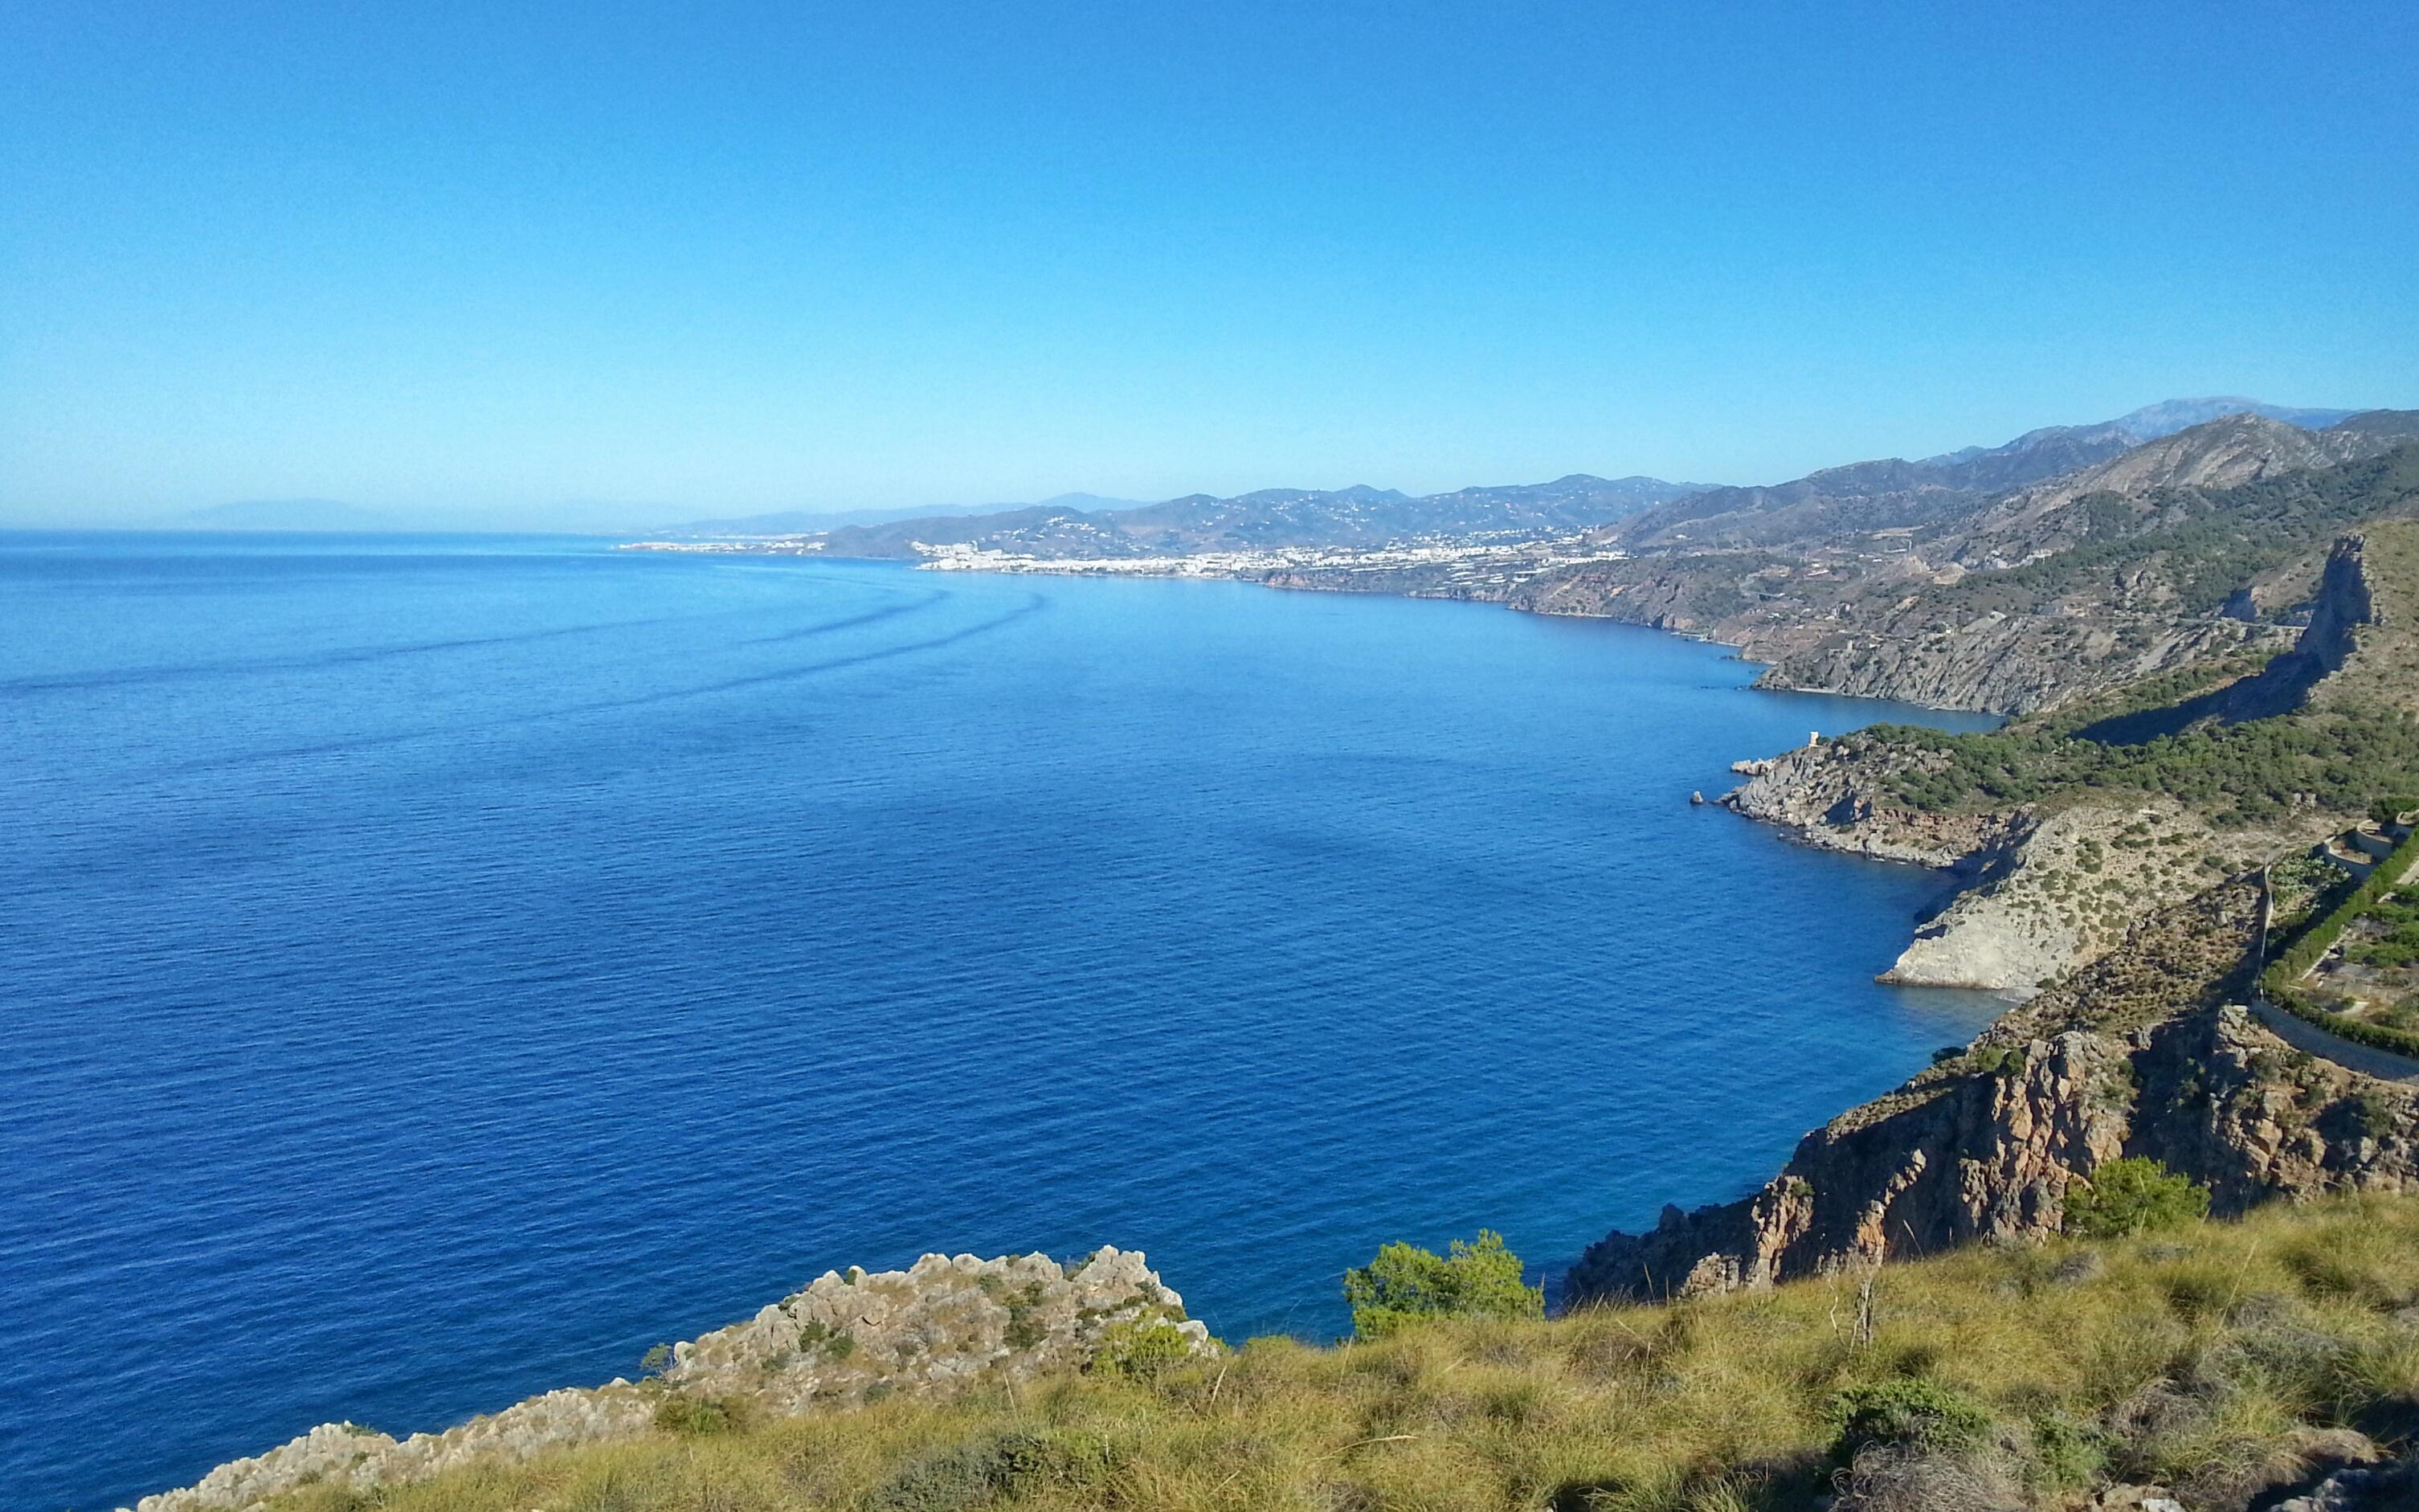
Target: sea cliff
2148, 1052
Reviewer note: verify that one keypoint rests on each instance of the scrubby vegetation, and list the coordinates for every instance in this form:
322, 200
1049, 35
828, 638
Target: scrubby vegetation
2235, 773
1407, 1285
2202, 544
2397, 942
2198, 1358
2133, 1195
2171, 733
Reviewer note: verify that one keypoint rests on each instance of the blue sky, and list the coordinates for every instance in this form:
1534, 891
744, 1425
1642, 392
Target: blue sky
604, 263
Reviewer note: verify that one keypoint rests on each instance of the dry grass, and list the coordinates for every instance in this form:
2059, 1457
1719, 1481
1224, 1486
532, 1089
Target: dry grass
2197, 1358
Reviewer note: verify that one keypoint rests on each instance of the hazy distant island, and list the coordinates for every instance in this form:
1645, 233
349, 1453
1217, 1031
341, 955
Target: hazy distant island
310, 515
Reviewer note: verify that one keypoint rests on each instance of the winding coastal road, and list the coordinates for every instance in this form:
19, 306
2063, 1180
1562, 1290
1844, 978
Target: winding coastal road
2302, 1035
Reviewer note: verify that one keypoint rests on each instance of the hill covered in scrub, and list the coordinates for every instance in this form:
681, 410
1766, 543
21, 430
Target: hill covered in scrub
2219, 1364
2076, 822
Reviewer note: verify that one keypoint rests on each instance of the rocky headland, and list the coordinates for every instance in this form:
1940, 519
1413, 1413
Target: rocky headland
2053, 882
942, 1324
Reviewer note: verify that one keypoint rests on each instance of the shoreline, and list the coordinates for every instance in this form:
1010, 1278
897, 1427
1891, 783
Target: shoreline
1967, 869
1111, 567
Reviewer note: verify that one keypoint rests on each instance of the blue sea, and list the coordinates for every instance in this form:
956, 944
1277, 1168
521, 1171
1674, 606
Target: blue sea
436, 969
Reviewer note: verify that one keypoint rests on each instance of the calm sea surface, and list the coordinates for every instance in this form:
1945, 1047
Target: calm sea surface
436, 969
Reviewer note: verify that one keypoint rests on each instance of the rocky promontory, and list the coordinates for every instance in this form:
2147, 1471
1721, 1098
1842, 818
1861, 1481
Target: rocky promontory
942, 1323
1829, 796
2053, 874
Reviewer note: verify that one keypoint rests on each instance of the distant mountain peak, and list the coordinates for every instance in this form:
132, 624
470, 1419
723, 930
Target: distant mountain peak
1088, 502
2169, 416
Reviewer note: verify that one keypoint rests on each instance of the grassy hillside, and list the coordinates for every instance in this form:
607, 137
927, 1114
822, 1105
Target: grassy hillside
2208, 1359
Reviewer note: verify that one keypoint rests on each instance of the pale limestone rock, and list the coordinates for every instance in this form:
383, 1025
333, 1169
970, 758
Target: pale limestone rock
942, 1322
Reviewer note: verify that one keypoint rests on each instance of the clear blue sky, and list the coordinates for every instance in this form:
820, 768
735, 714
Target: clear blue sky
692, 260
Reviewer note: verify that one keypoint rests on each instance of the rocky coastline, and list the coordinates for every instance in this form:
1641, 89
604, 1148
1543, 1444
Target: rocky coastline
2132, 1037
2150, 1052
2051, 885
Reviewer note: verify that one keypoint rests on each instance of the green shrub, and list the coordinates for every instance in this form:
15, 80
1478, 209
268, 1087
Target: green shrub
1141, 1348
983, 1470
2068, 1453
1406, 1284
817, 1339
697, 1416
1910, 1412
2000, 1061
2376, 1112
1024, 1326
2133, 1195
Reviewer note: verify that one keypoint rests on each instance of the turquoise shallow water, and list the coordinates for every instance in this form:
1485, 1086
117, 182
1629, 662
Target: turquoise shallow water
436, 969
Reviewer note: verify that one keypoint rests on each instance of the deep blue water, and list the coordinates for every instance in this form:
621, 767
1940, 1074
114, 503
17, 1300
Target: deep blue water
434, 970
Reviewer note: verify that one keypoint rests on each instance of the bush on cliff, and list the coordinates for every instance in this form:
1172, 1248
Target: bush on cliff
2133, 1195
1142, 1348
681, 1412
1910, 1413
1407, 1285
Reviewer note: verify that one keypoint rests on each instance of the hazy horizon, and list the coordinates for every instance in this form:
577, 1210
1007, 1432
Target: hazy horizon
610, 269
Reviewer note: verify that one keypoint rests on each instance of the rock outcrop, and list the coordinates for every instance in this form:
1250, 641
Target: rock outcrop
2144, 1053
2344, 603
1827, 797
1995, 662
943, 1322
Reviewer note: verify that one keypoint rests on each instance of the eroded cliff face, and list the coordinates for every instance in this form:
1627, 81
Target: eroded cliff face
1998, 663
2344, 606
2142, 1055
